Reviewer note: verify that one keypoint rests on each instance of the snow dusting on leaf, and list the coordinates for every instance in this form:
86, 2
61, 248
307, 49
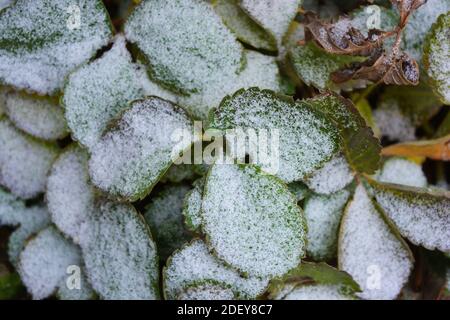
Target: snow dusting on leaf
252, 221
404, 172
40, 45
370, 251
194, 264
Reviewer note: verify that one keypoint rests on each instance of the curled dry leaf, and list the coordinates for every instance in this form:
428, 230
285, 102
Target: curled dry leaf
341, 37
395, 68
438, 149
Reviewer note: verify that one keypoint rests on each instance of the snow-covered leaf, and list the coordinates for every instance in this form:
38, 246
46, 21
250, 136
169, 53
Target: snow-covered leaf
402, 171
70, 197
96, 93
119, 253
333, 176
421, 215
273, 15
40, 117
24, 161
370, 250
193, 264
28, 220
314, 65
260, 71
306, 138
163, 215
193, 205
246, 30
437, 57
44, 262
133, 155
323, 215
42, 41
419, 25
207, 291
252, 221
184, 42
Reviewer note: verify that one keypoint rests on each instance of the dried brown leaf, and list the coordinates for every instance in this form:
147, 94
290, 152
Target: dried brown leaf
438, 149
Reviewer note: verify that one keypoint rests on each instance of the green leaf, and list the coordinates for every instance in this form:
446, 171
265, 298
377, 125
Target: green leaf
361, 148
193, 264
132, 156
246, 30
119, 253
44, 262
306, 138
96, 93
163, 215
437, 57
24, 161
421, 215
314, 65
323, 279
184, 42
299, 190
247, 211
40, 48
40, 117
10, 286
273, 15
417, 103
371, 251
323, 215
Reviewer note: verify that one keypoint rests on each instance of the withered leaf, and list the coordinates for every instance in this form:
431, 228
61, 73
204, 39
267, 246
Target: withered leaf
406, 7
341, 37
438, 149
398, 69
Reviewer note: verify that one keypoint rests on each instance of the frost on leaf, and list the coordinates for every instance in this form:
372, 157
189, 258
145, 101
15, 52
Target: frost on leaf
360, 147
194, 264
314, 65
252, 221
306, 138
42, 41
99, 91
70, 197
28, 220
163, 215
421, 215
207, 291
260, 71
24, 161
419, 25
44, 262
164, 30
5, 3
314, 281
299, 190
40, 117
119, 253
133, 155
323, 215
245, 28
437, 57
402, 171
370, 251
193, 205
82, 292
333, 176
273, 15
